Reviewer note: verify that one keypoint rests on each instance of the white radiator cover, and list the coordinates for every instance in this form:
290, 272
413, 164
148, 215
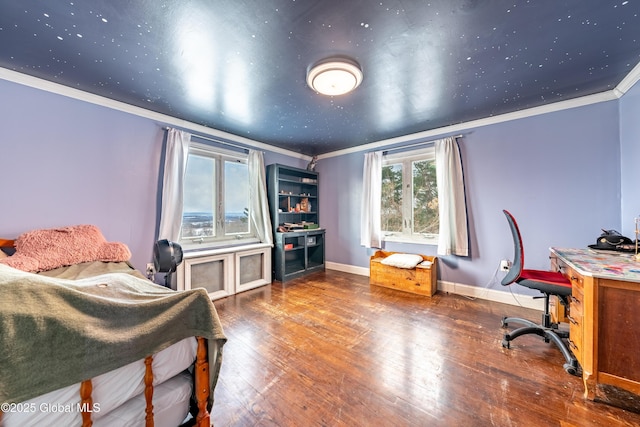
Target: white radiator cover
226, 271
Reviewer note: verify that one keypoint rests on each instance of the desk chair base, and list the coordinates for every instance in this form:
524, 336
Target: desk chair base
549, 333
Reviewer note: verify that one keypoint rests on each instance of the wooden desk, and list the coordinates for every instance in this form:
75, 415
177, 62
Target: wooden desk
604, 317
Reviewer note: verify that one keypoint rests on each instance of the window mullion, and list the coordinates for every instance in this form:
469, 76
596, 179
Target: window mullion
407, 198
220, 196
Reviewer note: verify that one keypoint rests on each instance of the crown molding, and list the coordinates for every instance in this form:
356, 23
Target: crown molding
629, 80
467, 126
161, 119
616, 93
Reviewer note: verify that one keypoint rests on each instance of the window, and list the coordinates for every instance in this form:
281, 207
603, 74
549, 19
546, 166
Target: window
409, 211
216, 196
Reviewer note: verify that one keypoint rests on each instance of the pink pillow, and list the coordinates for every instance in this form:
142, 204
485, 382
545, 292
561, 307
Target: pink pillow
41, 250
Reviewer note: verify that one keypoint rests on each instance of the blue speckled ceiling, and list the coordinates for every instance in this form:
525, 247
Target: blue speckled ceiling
240, 66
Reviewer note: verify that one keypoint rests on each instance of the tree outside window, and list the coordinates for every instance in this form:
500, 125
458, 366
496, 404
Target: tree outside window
409, 210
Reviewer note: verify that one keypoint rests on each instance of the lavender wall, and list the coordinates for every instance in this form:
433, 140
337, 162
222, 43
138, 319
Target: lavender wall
70, 162
548, 170
67, 162
630, 154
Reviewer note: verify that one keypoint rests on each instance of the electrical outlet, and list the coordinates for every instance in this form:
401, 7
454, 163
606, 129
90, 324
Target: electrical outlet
505, 265
151, 270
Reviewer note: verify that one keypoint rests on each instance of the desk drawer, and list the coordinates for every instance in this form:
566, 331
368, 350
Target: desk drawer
576, 329
576, 310
574, 277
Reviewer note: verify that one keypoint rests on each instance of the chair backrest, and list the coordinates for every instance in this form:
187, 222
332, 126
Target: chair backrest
518, 252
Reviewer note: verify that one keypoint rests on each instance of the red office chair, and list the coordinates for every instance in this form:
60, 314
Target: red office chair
547, 282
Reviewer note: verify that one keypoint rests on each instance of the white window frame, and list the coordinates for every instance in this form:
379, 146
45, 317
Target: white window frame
219, 155
406, 158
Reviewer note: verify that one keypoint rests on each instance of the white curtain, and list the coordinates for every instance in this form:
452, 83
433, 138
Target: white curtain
175, 165
371, 229
453, 238
258, 194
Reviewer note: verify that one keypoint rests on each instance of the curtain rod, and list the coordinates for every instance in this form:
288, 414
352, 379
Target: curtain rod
208, 138
417, 143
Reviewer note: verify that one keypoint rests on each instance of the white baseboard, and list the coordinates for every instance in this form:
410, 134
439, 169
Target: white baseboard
360, 271
504, 297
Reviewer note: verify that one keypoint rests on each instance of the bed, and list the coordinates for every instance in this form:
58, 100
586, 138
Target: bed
97, 343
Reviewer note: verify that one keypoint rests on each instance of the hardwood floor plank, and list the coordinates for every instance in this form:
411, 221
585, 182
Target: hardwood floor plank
331, 350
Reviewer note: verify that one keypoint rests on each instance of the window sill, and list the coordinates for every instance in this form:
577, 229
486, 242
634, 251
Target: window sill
411, 239
191, 246
217, 250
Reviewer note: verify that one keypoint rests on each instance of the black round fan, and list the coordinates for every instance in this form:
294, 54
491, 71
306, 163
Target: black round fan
167, 255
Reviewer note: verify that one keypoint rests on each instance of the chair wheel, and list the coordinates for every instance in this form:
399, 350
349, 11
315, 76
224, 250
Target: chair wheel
506, 344
504, 323
571, 369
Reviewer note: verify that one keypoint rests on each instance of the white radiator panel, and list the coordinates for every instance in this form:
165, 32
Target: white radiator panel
224, 272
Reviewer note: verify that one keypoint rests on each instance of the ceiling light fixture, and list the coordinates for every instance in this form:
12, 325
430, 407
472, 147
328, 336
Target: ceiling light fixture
334, 76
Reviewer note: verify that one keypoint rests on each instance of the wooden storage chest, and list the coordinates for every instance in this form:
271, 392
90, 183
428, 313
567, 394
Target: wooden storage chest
419, 280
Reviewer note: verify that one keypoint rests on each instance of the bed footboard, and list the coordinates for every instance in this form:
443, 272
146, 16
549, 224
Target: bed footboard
201, 384
86, 402
148, 391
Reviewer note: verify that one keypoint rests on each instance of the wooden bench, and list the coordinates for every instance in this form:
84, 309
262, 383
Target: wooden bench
419, 280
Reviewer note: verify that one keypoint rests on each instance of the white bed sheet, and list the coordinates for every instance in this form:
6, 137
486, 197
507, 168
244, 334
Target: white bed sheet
170, 406
110, 390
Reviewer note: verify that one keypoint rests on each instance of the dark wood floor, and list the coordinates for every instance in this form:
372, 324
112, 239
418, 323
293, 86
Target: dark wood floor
331, 350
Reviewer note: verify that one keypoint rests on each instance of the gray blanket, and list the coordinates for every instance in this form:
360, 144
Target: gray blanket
56, 332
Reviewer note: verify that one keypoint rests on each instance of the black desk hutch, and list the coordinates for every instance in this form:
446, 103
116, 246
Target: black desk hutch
293, 204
